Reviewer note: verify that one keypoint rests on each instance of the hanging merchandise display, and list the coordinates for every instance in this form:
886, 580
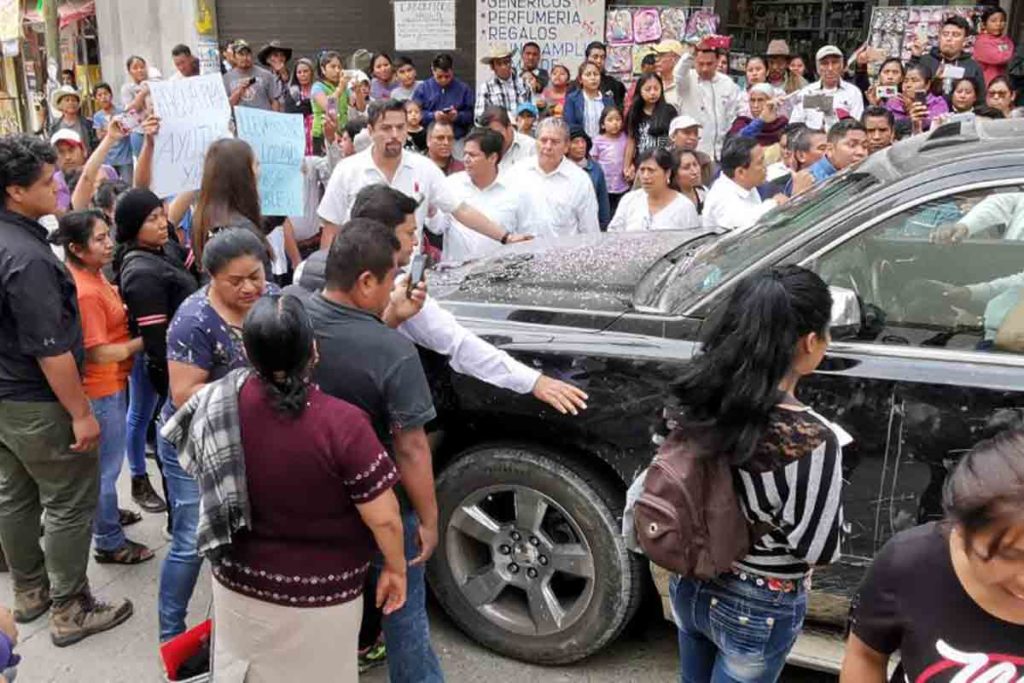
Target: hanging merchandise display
895, 29
632, 33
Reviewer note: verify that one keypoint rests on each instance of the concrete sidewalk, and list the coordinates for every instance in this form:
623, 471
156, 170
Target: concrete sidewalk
128, 653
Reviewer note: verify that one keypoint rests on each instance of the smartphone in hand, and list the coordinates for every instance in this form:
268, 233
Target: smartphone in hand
417, 272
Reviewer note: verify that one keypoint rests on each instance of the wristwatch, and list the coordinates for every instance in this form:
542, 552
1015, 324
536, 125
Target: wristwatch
504, 238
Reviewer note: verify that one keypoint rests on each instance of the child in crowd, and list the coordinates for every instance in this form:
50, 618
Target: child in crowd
554, 95
417, 140
610, 152
120, 155
405, 76
359, 98
526, 118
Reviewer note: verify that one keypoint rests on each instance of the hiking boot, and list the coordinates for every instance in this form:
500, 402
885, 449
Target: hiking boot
145, 497
83, 616
31, 604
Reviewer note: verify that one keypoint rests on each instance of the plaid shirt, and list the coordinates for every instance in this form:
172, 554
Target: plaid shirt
208, 435
508, 94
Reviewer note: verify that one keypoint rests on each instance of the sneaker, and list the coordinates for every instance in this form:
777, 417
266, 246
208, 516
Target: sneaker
31, 604
83, 616
145, 497
375, 655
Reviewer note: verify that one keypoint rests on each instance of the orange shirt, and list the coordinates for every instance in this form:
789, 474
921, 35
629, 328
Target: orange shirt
104, 321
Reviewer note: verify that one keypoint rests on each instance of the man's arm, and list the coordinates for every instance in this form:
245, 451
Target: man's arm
437, 329
144, 166
333, 209
86, 188
464, 116
62, 375
681, 74
412, 452
475, 220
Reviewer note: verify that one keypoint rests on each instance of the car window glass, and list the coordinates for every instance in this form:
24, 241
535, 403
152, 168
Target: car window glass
948, 273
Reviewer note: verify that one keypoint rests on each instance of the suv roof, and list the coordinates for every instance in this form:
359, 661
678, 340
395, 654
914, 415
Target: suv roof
954, 141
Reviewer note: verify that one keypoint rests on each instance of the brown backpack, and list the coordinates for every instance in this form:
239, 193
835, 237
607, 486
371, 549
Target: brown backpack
687, 518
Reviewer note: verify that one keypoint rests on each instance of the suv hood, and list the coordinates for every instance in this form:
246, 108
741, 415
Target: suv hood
589, 272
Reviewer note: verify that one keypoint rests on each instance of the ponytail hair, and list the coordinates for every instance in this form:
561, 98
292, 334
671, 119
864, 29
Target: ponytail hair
278, 339
732, 387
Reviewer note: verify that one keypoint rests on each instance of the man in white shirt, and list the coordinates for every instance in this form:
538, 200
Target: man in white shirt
515, 146
386, 162
433, 327
709, 97
481, 187
560, 193
832, 98
733, 201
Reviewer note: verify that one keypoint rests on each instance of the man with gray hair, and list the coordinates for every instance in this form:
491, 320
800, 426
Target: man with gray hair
562, 198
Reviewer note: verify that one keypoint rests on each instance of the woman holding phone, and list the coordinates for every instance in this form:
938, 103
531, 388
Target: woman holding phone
330, 99
918, 103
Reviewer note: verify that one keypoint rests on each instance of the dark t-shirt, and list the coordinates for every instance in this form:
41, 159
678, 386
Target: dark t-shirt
38, 310
912, 602
365, 362
305, 476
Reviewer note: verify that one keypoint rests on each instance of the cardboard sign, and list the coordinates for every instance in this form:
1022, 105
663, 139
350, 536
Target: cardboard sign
193, 113
279, 141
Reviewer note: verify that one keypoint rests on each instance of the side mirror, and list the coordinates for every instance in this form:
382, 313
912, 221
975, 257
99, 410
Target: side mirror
846, 313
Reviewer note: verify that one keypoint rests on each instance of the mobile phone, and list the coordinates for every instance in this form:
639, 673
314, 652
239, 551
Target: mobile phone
417, 271
886, 91
921, 97
332, 107
249, 82
128, 121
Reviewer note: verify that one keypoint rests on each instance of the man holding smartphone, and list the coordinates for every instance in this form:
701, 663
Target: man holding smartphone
249, 85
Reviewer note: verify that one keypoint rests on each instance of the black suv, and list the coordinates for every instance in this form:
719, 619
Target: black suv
924, 248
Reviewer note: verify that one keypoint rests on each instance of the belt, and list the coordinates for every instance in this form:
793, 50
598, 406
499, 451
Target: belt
772, 583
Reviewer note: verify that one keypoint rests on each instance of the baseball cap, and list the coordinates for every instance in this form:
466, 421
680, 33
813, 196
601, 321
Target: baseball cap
527, 108
240, 45
66, 135
682, 123
828, 51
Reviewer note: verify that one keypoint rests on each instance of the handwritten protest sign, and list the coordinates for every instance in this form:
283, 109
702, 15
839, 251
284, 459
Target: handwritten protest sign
279, 141
193, 113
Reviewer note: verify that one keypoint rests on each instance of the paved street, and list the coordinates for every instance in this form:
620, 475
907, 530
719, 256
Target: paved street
645, 653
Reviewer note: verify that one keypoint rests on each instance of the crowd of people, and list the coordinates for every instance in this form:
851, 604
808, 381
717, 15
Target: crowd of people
278, 356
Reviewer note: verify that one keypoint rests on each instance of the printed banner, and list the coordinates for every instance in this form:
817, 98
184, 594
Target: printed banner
10, 26
562, 28
424, 25
193, 113
279, 141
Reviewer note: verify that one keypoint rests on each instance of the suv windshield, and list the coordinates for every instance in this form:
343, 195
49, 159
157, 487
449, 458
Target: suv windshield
679, 278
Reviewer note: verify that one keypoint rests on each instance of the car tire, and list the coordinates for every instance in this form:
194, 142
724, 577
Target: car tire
581, 515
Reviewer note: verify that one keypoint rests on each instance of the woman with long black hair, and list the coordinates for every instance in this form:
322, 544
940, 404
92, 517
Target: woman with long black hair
738, 401
949, 596
647, 121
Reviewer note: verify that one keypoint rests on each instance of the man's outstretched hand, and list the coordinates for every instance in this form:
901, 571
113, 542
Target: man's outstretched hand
562, 396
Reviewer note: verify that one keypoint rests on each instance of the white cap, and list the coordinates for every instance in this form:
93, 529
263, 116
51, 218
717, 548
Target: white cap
66, 135
682, 123
828, 51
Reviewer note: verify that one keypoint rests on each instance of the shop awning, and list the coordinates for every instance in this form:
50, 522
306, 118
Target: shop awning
68, 12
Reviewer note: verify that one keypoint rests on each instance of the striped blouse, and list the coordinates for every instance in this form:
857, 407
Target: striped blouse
794, 484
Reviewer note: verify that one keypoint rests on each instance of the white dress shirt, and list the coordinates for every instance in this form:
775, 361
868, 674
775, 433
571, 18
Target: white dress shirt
998, 209
436, 329
712, 103
730, 206
562, 202
634, 214
502, 203
416, 176
847, 97
522, 147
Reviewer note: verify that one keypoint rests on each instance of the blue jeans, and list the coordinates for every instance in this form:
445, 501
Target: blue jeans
106, 525
181, 565
732, 630
411, 658
142, 400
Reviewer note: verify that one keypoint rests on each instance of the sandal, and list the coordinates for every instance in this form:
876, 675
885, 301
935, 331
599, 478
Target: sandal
128, 517
130, 553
